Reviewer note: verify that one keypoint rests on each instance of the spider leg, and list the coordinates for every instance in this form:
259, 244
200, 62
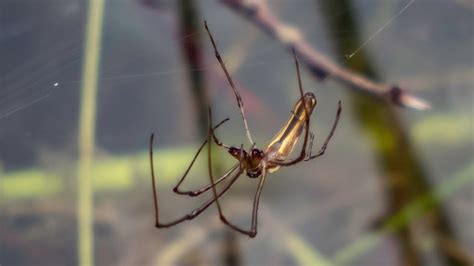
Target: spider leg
311, 140
218, 142
199, 191
240, 103
256, 200
253, 230
333, 129
194, 212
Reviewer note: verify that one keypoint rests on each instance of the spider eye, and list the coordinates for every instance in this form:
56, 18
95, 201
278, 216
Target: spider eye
234, 151
257, 153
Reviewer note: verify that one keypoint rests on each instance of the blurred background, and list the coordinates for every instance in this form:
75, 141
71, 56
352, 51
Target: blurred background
395, 186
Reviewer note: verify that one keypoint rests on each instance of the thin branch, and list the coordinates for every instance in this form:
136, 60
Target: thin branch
320, 65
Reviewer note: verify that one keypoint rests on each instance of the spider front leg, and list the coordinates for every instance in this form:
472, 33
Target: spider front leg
240, 102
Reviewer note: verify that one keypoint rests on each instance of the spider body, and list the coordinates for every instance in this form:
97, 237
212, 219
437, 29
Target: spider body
254, 162
285, 140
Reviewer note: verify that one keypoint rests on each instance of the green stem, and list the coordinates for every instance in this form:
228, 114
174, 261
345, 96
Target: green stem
90, 70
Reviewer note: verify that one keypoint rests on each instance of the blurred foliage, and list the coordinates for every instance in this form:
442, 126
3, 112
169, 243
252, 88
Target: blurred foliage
112, 173
417, 208
29, 183
303, 252
444, 130
121, 173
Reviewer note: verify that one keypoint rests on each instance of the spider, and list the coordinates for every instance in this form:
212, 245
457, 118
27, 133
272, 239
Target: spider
254, 162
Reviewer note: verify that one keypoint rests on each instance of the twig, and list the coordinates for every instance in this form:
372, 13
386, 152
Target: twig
320, 66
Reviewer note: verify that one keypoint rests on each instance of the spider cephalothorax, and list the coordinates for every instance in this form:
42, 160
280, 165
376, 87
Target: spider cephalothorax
250, 160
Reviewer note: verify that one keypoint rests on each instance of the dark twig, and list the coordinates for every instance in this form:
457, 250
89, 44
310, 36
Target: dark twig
320, 65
